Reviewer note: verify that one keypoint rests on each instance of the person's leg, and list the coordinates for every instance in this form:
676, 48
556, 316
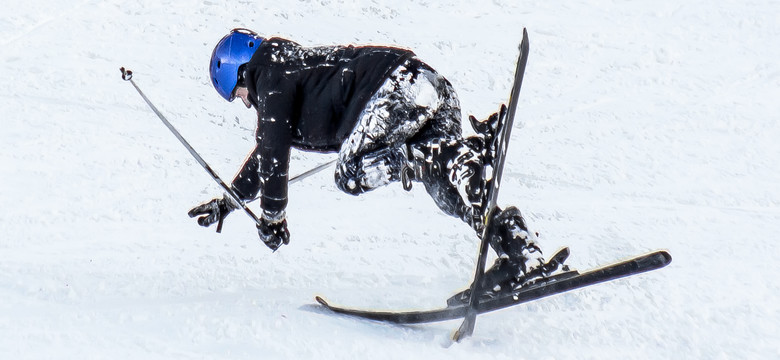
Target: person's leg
414, 122
375, 152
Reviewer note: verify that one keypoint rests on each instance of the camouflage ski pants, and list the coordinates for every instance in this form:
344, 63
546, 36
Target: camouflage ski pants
415, 104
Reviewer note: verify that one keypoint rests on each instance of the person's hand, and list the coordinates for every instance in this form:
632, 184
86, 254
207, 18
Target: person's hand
273, 231
213, 210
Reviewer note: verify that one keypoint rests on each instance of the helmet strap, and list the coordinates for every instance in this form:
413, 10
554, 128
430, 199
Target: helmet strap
241, 81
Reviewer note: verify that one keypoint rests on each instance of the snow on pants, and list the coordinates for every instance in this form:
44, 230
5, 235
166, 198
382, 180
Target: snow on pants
414, 104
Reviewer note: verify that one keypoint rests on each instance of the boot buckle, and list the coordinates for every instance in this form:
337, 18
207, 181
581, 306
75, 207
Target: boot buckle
407, 174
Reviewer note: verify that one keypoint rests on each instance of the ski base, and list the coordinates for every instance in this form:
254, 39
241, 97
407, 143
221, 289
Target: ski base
556, 284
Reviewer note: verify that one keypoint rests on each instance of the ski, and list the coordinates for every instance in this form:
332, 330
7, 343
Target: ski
501, 142
555, 284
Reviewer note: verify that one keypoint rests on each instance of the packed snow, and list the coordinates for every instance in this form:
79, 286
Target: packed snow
641, 125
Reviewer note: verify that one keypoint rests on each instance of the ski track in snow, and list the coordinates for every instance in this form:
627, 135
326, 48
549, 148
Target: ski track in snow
643, 125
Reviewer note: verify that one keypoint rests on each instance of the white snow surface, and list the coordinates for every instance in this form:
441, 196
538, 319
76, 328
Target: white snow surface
641, 125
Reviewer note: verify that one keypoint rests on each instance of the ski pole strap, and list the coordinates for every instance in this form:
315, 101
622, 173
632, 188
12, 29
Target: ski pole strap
221, 221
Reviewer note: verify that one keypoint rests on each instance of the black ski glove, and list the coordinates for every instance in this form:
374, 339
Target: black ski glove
214, 210
273, 230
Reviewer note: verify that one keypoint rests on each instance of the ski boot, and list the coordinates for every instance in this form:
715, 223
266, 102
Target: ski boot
520, 262
487, 132
489, 127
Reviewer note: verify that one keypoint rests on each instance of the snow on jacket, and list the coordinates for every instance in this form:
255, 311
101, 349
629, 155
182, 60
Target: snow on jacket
309, 98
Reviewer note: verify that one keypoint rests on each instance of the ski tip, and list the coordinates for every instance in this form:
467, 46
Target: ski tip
667, 257
321, 300
524, 43
657, 259
563, 250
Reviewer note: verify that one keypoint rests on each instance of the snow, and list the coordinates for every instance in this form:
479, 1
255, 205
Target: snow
644, 125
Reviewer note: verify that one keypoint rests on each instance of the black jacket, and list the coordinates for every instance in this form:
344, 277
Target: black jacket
307, 98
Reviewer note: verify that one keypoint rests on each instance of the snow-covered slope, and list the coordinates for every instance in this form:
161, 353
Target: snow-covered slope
644, 125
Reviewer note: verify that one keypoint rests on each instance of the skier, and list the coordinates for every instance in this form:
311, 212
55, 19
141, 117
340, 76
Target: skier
390, 117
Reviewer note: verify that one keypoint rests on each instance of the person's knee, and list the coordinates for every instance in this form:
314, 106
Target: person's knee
347, 180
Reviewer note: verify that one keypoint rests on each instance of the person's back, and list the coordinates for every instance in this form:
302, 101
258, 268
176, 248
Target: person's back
323, 89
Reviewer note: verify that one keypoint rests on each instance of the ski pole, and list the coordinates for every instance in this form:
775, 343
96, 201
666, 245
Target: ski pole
304, 175
127, 75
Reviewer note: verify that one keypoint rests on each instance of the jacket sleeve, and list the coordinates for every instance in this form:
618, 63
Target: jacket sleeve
266, 168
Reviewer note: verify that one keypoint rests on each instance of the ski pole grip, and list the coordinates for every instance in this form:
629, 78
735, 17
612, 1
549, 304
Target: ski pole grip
127, 75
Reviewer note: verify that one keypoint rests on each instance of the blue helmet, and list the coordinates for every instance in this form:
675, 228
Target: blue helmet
234, 50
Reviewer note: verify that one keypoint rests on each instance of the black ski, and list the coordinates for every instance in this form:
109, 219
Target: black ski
506, 120
556, 284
